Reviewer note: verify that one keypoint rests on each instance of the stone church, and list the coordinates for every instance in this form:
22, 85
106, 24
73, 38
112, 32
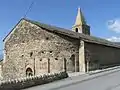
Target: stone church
33, 48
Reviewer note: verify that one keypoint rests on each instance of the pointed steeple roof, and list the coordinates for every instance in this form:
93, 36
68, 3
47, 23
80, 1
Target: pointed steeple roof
80, 20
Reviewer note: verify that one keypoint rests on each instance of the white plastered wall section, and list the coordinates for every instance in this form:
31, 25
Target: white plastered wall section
81, 57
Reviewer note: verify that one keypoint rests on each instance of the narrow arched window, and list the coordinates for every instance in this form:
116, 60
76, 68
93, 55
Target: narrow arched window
31, 53
73, 59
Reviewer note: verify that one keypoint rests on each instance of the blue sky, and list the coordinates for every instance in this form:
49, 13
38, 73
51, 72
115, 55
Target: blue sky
102, 15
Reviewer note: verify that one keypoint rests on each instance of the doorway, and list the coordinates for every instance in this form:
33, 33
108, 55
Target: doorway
72, 58
29, 72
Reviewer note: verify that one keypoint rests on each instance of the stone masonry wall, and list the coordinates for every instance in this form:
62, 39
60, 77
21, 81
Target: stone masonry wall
1, 72
100, 56
33, 47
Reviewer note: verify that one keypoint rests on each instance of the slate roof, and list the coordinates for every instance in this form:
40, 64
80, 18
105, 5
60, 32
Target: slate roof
70, 33
86, 38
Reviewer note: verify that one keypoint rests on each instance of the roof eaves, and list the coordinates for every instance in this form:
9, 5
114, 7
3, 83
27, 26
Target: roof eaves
12, 29
72, 34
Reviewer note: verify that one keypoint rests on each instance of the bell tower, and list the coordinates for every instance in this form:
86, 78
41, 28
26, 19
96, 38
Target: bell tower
80, 25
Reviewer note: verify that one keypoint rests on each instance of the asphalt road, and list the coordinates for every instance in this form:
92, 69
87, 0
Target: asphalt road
106, 82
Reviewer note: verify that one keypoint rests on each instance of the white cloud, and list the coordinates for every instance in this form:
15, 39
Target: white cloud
114, 39
114, 25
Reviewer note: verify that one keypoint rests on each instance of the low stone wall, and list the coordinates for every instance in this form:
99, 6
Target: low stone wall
26, 82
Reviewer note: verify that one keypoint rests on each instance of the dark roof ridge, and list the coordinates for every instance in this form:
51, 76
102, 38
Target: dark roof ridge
86, 38
72, 34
